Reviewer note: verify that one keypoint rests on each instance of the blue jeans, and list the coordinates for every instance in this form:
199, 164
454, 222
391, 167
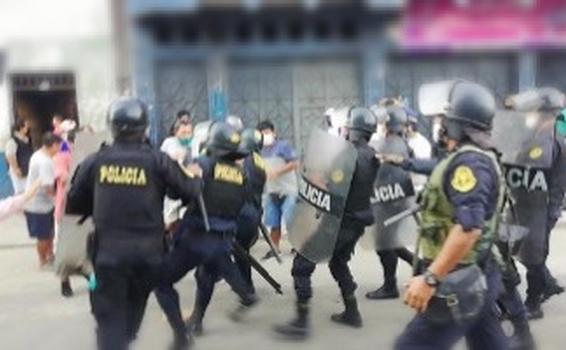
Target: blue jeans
482, 333
279, 208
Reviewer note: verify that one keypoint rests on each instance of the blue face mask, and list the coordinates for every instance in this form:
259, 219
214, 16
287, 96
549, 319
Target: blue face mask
561, 123
186, 142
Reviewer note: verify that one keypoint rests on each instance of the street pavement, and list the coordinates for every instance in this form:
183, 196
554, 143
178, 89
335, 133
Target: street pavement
33, 314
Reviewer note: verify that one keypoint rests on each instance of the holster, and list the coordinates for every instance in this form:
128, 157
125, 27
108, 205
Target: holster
460, 297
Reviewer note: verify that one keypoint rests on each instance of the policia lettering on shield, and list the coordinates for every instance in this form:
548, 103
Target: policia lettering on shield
455, 296
329, 235
535, 171
122, 186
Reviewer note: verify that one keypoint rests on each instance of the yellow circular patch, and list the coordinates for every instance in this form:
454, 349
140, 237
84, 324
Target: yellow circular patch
464, 179
235, 138
535, 152
257, 135
337, 176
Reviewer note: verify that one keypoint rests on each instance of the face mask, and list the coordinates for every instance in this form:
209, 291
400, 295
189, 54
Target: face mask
268, 139
436, 131
186, 142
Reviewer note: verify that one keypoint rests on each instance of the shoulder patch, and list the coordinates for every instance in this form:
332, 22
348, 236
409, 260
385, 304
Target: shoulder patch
463, 179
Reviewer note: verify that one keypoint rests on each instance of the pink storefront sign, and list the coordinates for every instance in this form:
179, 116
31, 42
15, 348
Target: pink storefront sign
470, 24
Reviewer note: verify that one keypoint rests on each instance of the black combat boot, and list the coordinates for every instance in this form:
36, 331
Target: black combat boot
299, 327
182, 341
534, 310
246, 303
551, 289
66, 289
351, 316
387, 291
522, 339
194, 323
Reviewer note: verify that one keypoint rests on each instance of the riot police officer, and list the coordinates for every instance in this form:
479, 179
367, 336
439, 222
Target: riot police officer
361, 124
122, 186
539, 207
248, 222
224, 196
394, 143
459, 217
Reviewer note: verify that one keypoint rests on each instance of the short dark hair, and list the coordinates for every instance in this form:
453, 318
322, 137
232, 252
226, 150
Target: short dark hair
49, 139
182, 113
265, 125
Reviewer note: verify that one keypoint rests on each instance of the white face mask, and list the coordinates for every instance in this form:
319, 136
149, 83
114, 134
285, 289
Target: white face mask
268, 139
436, 126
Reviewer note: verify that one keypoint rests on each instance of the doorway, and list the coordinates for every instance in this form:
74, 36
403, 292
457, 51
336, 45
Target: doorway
37, 97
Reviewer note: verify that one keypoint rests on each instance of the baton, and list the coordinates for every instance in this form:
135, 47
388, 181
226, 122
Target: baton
265, 235
402, 215
242, 253
200, 199
203, 212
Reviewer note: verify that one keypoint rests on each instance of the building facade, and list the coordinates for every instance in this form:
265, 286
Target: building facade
289, 61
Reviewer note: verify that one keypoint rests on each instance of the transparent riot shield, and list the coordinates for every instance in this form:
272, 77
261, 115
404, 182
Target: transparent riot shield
393, 194
72, 233
200, 136
327, 169
524, 139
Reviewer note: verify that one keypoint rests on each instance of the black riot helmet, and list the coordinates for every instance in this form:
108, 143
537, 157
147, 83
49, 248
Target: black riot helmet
471, 105
545, 99
224, 141
127, 117
361, 123
397, 120
252, 141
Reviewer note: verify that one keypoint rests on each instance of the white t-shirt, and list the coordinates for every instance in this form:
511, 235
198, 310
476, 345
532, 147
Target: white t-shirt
420, 146
42, 167
173, 148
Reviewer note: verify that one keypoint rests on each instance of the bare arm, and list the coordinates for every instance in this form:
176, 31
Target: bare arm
458, 244
13, 162
287, 168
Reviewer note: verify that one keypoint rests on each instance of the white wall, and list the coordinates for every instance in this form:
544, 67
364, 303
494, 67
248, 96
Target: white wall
54, 35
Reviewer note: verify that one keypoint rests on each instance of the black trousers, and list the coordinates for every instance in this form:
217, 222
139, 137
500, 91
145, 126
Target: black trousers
389, 261
212, 249
118, 303
303, 268
208, 274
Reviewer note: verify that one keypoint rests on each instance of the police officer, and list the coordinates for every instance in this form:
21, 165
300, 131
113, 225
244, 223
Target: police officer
547, 103
224, 196
122, 186
248, 223
459, 216
396, 126
360, 126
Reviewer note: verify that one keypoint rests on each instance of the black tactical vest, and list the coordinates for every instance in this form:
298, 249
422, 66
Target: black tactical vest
128, 203
23, 155
361, 189
224, 189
